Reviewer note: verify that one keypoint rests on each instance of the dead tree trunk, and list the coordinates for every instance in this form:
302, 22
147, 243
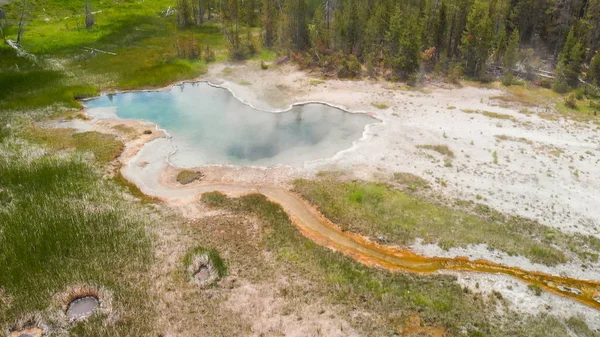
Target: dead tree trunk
21, 24
89, 17
2, 17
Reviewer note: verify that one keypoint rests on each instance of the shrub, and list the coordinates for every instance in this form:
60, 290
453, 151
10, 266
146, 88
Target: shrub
545, 83
412, 80
571, 101
561, 86
209, 54
580, 93
536, 289
508, 79
455, 73
187, 177
350, 67
215, 199
188, 48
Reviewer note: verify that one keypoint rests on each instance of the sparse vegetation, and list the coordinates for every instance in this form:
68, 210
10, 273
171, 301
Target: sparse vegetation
379, 105
339, 280
536, 289
371, 209
489, 114
441, 149
410, 181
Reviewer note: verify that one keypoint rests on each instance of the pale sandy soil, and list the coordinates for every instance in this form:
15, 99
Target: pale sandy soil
528, 179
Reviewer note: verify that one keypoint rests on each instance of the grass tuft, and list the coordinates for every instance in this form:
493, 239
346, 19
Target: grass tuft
441, 149
379, 105
213, 256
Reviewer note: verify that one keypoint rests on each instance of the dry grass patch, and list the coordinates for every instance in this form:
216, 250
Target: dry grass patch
104, 147
410, 181
379, 105
489, 114
441, 149
514, 139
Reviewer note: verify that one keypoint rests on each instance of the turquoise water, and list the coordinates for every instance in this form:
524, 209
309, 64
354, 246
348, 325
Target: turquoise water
210, 126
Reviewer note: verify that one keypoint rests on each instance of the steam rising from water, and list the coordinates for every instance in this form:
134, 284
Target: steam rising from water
210, 126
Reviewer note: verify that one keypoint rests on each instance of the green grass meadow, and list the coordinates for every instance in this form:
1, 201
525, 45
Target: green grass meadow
62, 224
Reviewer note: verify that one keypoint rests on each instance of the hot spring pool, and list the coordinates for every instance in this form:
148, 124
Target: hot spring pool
209, 126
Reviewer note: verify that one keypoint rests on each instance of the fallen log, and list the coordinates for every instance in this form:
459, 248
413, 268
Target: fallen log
20, 51
94, 50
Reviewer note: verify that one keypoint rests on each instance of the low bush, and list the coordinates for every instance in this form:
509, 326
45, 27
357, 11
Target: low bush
186, 177
455, 73
349, 67
571, 101
560, 86
580, 93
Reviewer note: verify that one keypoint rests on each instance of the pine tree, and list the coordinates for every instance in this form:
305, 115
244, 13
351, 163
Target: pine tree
440, 26
349, 27
477, 40
320, 34
404, 50
297, 32
501, 44
512, 51
270, 18
570, 62
511, 56
184, 12
593, 74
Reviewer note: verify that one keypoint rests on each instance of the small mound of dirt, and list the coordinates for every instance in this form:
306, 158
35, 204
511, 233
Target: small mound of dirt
82, 307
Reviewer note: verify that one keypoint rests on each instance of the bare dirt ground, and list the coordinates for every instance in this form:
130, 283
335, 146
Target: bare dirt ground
521, 164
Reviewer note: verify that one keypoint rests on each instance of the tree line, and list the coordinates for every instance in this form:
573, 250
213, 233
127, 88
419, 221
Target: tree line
402, 38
